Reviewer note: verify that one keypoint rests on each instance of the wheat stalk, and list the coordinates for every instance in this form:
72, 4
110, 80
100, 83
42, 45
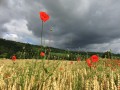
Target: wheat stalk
87, 85
111, 82
108, 85
118, 81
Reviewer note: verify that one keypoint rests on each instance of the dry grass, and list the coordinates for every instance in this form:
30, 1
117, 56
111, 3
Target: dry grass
59, 75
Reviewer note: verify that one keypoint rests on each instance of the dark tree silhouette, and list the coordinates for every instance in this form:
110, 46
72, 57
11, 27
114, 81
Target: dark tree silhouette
107, 55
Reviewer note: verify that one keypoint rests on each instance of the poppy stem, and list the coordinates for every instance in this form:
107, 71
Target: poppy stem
41, 33
13, 62
90, 69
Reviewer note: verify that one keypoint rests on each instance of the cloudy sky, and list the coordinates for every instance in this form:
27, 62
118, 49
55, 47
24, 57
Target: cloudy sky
91, 25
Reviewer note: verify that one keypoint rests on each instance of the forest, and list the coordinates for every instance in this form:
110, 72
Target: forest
28, 51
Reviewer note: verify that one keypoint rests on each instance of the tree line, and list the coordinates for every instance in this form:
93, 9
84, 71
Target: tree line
28, 51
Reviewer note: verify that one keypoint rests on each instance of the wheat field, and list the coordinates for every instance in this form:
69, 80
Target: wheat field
59, 75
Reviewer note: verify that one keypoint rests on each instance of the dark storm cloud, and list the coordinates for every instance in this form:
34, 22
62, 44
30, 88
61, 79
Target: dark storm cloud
3, 2
98, 24
80, 23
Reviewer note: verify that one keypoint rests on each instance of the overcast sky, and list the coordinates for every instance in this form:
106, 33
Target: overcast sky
91, 25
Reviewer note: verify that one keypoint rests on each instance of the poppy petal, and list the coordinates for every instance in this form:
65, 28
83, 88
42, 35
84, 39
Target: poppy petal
44, 16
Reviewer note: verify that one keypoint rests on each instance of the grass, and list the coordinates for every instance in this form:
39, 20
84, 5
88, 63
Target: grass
59, 75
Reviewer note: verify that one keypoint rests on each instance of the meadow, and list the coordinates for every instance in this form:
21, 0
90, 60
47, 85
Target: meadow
36, 74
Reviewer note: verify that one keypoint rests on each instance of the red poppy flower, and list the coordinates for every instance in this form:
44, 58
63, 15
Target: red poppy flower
94, 58
42, 54
71, 62
112, 68
78, 59
89, 63
13, 57
118, 64
61, 68
44, 16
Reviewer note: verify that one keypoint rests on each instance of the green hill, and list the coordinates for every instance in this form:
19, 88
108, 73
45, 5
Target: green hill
23, 50
28, 51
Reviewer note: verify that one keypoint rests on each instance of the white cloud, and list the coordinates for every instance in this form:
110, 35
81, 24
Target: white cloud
13, 37
18, 27
17, 30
